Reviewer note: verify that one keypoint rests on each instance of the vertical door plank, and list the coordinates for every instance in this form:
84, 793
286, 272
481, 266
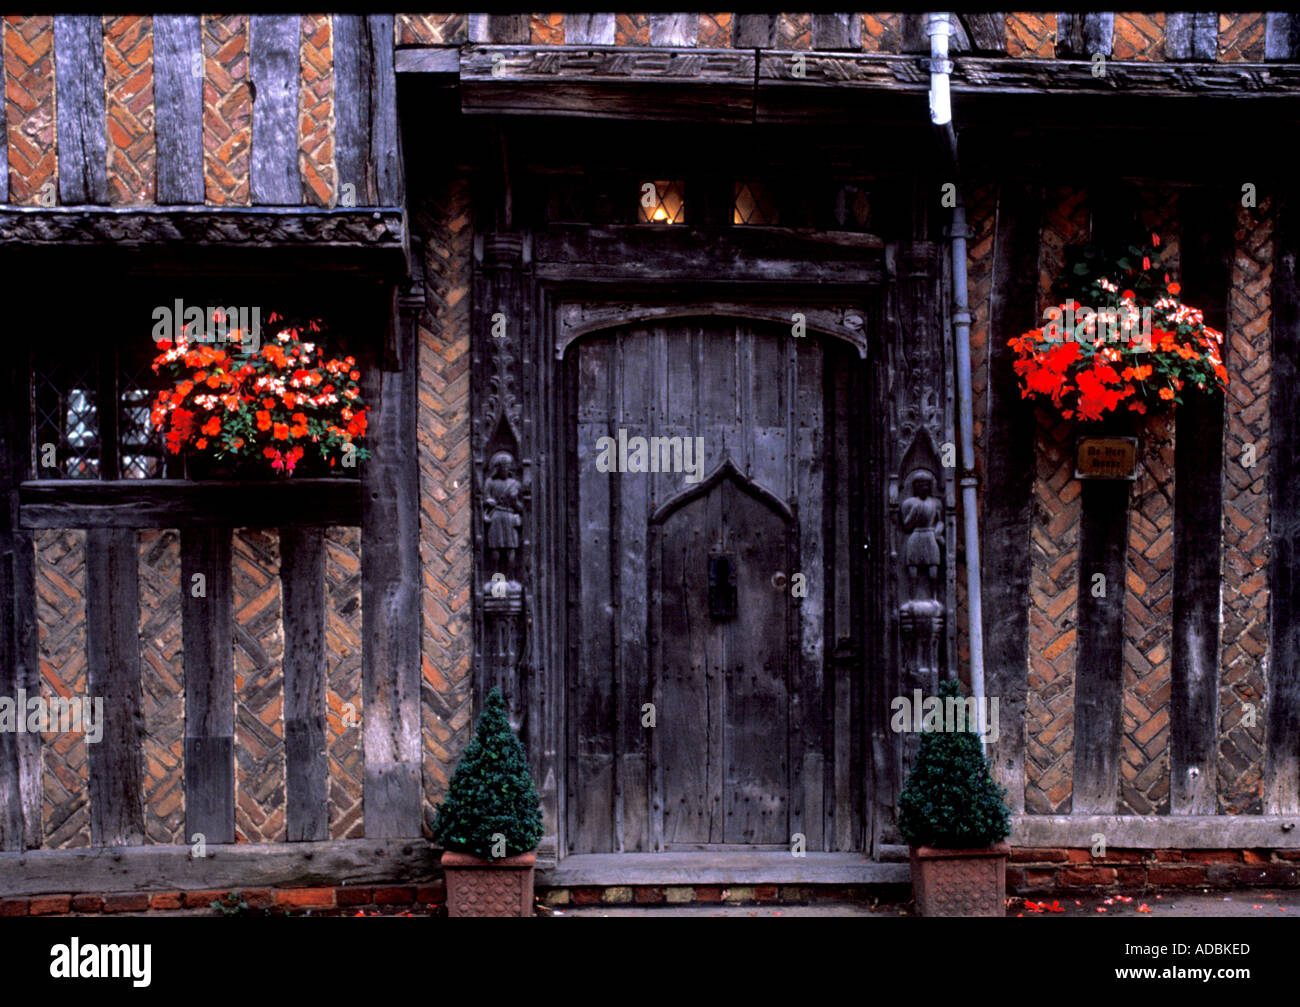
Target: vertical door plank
79, 101
207, 627
178, 97
365, 85
808, 436
302, 582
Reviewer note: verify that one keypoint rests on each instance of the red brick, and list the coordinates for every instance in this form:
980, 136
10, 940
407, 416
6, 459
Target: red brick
49, 905
126, 902
1169, 856
1184, 875
305, 898
708, 893
87, 903
1132, 876
394, 895
1015, 877
13, 907
436, 892
1035, 856
1282, 855
1040, 880
352, 896
1082, 857
1123, 857
259, 898
1260, 857
1214, 856
585, 896
165, 900
201, 900
650, 896
1086, 877
766, 893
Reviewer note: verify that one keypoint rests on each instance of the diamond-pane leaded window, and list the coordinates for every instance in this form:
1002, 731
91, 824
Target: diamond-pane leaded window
73, 437
662, 203
754, 204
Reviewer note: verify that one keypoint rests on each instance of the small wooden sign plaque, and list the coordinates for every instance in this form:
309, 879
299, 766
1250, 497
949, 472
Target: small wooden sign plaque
1106, 458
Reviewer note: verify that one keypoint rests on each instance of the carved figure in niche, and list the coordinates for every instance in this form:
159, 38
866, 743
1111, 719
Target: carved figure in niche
921, 516
503, 511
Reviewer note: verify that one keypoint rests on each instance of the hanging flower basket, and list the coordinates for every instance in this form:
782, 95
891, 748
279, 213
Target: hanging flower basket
1119, 339
279, 410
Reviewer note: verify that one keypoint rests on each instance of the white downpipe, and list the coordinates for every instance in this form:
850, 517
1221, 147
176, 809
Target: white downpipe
939, 28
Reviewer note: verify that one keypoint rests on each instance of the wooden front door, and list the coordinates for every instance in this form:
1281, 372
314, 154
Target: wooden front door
714, 506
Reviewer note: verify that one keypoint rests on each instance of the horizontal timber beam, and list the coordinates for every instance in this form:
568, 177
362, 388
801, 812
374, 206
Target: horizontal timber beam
1158, 832
239, 865
174, 503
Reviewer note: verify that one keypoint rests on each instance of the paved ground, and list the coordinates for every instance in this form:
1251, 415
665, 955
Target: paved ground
1276, 903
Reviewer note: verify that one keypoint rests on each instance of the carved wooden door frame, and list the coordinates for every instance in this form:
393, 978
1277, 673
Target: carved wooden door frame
535, 292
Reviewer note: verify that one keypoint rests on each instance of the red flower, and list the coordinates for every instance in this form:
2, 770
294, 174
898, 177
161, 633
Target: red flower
281, 432
212, 427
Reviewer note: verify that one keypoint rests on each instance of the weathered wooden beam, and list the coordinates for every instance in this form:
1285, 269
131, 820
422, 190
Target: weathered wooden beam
207, 628
365, 85
678, 30
729, 868
178, 99
172, 503
753, 31
1282, 756
588, 29
363, 229
1083, 36
1008, 480
1159, 832
20, 754
1099, 662
79, 100
113, 676
1205, 250
224, 867
390, 586
1281, 35
273, 70
430, 60
302, 584
987, 32
1191, 35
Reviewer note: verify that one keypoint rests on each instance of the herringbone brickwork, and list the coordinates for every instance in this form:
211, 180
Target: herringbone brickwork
881, 32
1148, 600
546, 29
316, 111
61, 634
227, 110
445, 482
430, 29
29, 108
128, 103
1031, 35
715, 31
162, 682
259, 688
1139, 36
1054, 557
632, 29
1245, 599
343, 712
1241, 37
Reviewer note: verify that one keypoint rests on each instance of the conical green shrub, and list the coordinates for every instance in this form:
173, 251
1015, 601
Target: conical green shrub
491, 792
950, 801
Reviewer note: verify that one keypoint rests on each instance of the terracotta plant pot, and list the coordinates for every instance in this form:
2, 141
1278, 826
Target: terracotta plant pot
970, 882
478, 887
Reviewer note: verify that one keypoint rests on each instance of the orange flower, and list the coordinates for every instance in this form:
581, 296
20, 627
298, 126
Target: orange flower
237, 443
268, 403
212, 427
281, 432
201, 443
1167, 394
263, 420
1175, 289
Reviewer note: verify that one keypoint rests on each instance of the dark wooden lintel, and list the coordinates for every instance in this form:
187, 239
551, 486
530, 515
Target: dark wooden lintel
172, 503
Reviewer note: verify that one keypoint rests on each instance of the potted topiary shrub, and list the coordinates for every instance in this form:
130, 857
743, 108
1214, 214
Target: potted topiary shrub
954, 817
490, 822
